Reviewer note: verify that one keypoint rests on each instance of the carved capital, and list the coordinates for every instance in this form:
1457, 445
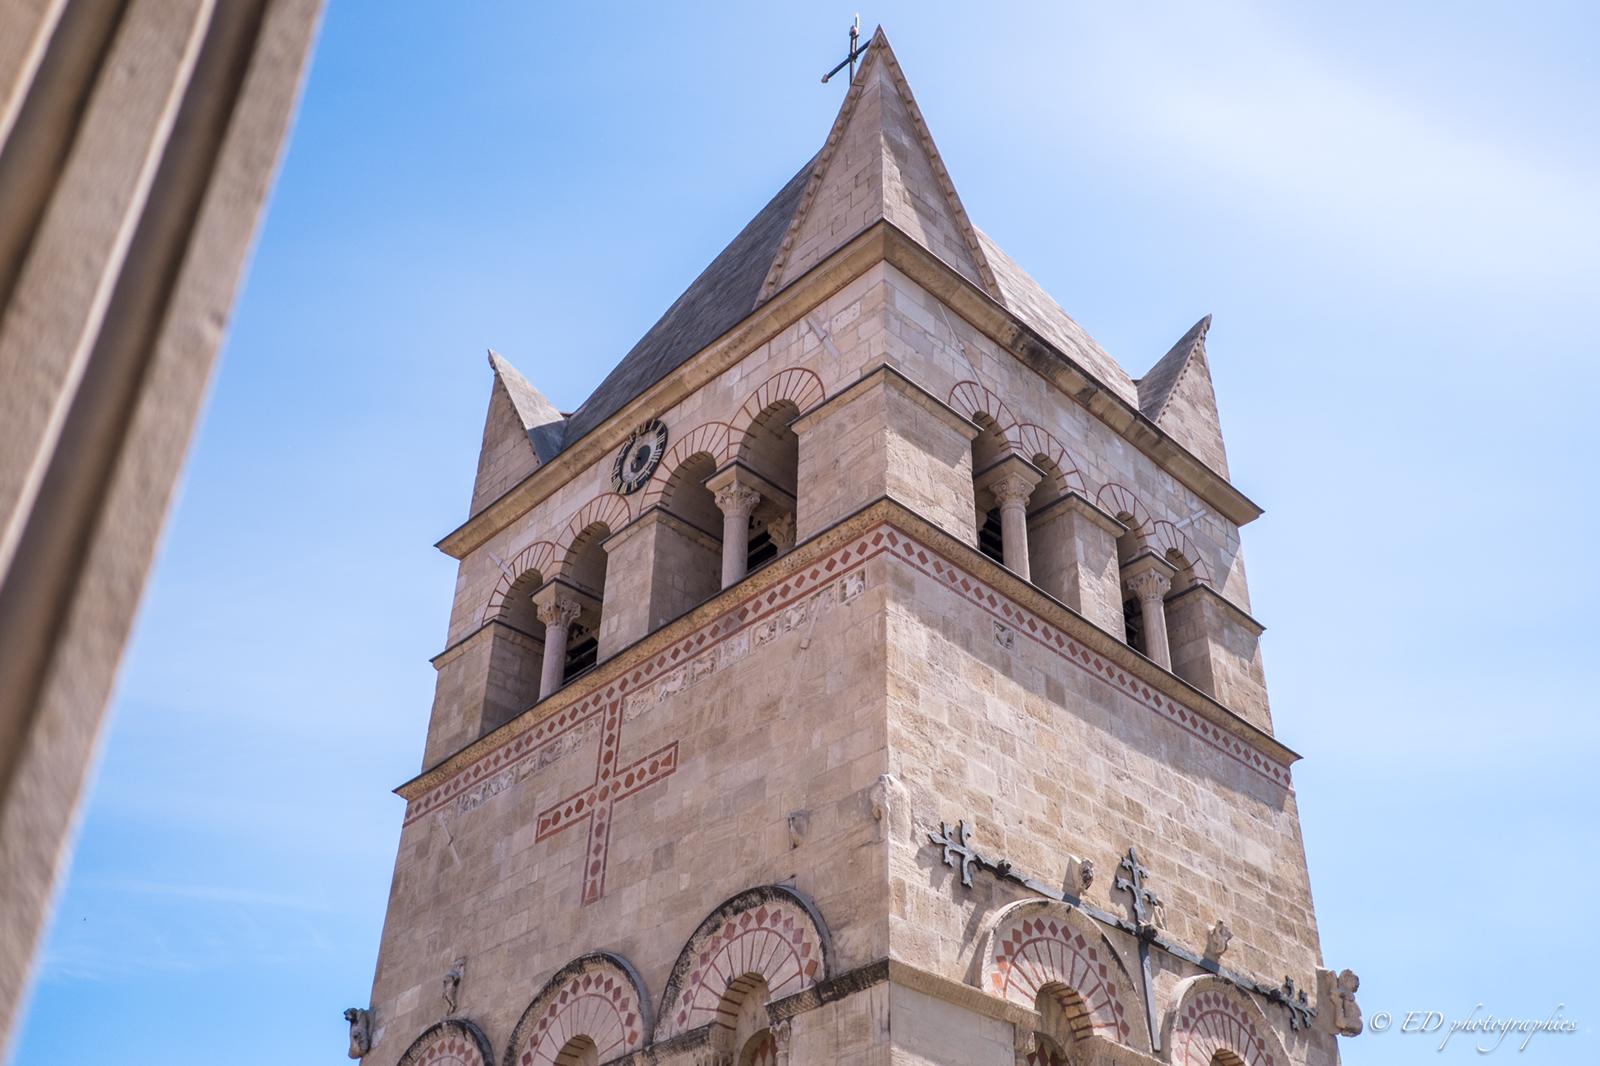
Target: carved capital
735, 499
1012, 489
559, 610
1149, 585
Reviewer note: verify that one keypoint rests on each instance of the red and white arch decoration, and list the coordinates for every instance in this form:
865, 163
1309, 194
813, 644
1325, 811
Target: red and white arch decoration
771, 933
1036, 945
609, 509
1117, 500
1213, 1017
1166, 538
597, 996
797, 385
1033, 440
709, 438
969, 398
538, 557
451, 1043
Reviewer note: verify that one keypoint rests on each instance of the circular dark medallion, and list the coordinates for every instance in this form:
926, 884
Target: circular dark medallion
639, 456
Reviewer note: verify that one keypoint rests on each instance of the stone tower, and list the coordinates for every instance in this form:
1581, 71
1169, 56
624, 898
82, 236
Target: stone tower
864, 673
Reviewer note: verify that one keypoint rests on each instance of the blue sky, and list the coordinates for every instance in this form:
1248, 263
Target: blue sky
1390, 209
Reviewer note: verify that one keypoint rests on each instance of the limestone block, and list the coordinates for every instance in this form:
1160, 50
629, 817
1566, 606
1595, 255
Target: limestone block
1074, 549
885, 436
1216, 647
658, 567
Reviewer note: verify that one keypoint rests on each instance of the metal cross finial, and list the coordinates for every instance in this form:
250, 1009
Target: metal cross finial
856, 50
1144, 900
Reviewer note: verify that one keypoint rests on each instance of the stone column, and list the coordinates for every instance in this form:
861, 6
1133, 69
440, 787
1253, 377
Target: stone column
557, 611
1149, 578
1011, 493
1010, 482
737, 490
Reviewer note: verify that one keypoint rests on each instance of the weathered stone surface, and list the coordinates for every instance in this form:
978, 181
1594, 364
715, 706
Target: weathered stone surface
725, 825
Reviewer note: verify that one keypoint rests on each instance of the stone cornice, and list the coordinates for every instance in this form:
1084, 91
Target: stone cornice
656, 514
785, 309
886, 374
802, 572
1233, 610
1077, 503
1049, 362
880, 242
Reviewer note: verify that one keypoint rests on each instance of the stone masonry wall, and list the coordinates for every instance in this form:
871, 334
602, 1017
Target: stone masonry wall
1047, 761
783, 715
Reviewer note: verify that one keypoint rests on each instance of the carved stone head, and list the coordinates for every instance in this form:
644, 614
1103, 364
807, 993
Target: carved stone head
360, 1031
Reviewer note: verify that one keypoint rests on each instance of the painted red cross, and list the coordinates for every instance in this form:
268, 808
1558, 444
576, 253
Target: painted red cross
593, 804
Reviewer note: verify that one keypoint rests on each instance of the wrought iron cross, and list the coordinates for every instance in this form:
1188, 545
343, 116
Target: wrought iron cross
1300, 1012
1144, 901
854, 54
957, 849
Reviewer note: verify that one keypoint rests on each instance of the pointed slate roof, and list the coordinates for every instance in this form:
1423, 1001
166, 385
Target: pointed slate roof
719, 299
879, 162
1155, 388
540, 419
1177, 396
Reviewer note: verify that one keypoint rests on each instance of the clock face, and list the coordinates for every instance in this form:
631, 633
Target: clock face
640, 455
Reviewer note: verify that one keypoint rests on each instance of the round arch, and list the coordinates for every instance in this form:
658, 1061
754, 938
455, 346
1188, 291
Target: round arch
710, 438
797, 385
596, 998
969, 398
1116, 500
1041, 947
538, 558
773, 933
456, 1042
1174, 545
1034, 441
1211, 1017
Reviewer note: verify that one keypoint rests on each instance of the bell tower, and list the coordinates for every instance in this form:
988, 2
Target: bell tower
864, 673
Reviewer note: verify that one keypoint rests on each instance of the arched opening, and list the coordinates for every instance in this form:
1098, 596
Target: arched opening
772, 451
760, 1050
1224, 1057
988, 448
1184, 567
742, 1019
586, 569
1128, 546
688, 555
1063, 1018
516, 654
579, 1051
687, 497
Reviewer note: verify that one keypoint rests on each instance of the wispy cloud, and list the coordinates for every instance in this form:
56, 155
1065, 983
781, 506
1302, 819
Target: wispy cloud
1410, 188
219, 894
